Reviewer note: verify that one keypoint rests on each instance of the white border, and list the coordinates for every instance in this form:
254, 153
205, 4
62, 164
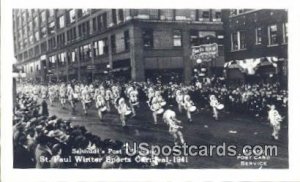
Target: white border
9, 174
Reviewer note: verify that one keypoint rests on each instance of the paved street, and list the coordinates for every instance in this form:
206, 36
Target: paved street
233, 129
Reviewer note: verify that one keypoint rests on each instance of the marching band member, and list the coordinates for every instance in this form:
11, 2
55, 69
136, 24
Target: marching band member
85, 99
169, 117
108, 98
133, 99
70, 93
62, 95
156, 104
189, 106
179, 100
52, 94
123, 110
275, 119
214, 103
100, 105
116, 95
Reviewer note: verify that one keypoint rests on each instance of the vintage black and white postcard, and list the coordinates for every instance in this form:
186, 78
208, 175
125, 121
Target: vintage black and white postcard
127, 87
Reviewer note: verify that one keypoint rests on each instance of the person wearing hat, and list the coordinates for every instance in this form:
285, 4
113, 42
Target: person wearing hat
123, 110
275, 120
62, 95
132, 94
189, 106
169, 117
214, 103
100, 105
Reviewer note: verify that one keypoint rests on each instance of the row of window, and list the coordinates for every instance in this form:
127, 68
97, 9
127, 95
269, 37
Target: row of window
100, 22
120, 42
238, 38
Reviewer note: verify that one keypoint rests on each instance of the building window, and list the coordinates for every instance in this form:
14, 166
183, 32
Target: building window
85, 12
166, 14
234, 41
43, 47
51, 28
272, 35
31, 39
177, 41
62, 22
43, 32
120, 15
99, 48
114, 16
217, 15
51, 12
84, 29
61, 58
72, 16
61, 40
204, 16
285, 32
113, 43
127, 40
242, 40
95, 24
52, 61
43, 16
36, 50
238, 40
102, 21
71, 34
35, 22
30, 27
84, 52
73, 56
52, 43
37, 36
148, 38
258, 35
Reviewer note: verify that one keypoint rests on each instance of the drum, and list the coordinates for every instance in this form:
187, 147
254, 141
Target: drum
220, 106
128, 112
75, 96
159, 111
135, 103
192, 108
163, 103
102, 109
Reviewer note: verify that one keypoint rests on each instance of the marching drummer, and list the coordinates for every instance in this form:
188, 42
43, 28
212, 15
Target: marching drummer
170, 119
179, 100
132, 94
123, 110
52, 94
156, 104
100, 105
62, 95
70, 93
275, 120
189, 106
85, 99
214, 103
108, 98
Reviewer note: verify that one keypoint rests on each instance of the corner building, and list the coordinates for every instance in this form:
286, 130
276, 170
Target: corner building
85, 44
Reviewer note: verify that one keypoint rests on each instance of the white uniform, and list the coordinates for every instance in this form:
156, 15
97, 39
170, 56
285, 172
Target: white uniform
275, 120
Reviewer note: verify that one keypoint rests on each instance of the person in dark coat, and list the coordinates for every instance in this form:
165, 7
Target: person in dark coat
22, 157
44, 106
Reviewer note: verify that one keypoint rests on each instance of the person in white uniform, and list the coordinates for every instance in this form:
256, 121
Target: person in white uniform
169, 117
275, 120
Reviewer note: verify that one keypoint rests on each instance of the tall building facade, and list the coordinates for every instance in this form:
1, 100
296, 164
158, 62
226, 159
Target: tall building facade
83, 44
260, 34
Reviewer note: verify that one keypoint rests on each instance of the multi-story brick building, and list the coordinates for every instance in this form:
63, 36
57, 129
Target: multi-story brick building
257, 34
64, 44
